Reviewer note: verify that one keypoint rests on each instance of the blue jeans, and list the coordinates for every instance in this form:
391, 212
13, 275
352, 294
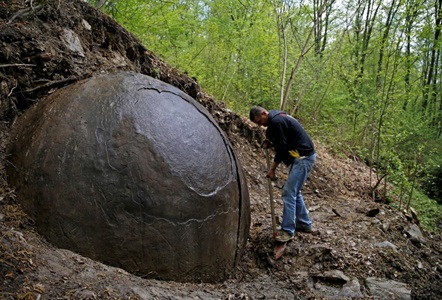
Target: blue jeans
294, 211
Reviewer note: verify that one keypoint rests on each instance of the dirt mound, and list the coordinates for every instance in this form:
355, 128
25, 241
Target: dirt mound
364, 250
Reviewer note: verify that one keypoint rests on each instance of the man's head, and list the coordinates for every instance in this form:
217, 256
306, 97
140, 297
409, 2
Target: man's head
259, 116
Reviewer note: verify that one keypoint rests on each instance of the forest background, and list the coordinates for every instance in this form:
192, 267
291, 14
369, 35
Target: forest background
363, 76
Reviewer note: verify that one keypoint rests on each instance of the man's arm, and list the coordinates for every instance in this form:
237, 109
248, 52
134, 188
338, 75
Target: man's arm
271, 173
279, 139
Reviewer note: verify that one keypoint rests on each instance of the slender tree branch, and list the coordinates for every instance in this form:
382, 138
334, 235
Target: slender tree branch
17, 65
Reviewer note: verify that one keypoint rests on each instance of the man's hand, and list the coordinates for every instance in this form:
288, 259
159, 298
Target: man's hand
271, 169
271, 174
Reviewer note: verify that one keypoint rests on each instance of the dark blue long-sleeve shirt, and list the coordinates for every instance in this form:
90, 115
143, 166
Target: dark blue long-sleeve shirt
286, 134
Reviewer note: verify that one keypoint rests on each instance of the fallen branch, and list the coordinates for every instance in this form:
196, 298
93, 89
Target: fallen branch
378, 183
24, 12
336, 213
17, 65
50, 84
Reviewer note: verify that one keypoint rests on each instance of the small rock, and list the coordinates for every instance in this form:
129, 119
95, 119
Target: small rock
72, 42
385, 227
419, 265
388, 289
415, 234
375, 221
86, 25
386, 244
317, 267
335, 276
313, 208
351, 290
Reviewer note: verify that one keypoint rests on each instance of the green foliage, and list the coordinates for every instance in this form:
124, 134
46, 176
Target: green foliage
429, 211
229, 48
433, 183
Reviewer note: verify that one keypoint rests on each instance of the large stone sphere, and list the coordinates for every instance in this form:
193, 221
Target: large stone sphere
130, 171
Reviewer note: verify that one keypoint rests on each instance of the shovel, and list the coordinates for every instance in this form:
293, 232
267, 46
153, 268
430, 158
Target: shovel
279, 248
272, 208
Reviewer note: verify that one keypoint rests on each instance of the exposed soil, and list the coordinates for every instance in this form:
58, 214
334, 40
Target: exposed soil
50, 45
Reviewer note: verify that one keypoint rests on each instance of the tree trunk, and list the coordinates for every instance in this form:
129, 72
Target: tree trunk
429, 89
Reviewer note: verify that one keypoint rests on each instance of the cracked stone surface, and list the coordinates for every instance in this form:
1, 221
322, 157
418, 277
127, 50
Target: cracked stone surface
128, 170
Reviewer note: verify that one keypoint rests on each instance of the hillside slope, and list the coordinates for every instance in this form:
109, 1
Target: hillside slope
364, 249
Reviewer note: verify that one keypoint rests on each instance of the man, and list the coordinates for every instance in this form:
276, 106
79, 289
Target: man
294, 148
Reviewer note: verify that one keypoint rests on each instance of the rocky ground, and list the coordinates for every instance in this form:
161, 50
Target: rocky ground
365, 248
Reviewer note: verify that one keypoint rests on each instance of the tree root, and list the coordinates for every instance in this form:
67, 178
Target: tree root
51, 84
25, 12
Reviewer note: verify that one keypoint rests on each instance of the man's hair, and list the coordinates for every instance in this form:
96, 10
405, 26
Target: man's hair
255, 112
